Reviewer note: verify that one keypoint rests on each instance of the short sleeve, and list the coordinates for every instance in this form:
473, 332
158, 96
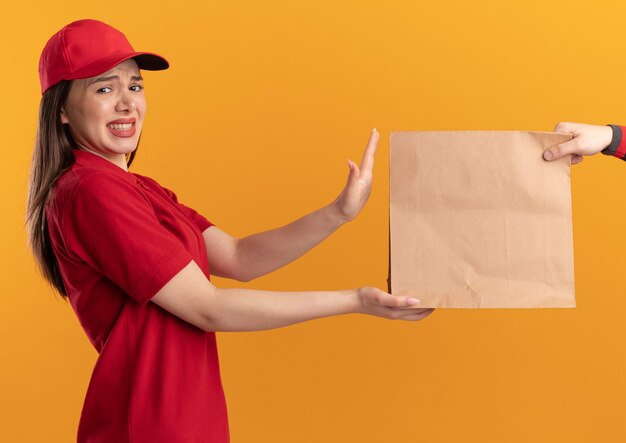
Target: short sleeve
198, 219
112, 227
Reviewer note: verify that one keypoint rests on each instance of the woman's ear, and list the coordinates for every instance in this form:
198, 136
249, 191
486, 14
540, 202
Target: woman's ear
64, 119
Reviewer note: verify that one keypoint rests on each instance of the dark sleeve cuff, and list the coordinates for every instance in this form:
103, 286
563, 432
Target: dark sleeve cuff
617, 148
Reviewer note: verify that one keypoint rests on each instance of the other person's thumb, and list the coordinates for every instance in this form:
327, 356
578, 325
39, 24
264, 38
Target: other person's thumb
558, 151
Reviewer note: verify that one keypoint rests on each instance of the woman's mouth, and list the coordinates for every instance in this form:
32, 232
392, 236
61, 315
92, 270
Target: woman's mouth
122, 129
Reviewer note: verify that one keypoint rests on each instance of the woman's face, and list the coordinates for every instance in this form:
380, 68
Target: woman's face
105, 113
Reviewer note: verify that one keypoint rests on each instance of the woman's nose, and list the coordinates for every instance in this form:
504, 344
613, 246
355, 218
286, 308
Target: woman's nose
126, 102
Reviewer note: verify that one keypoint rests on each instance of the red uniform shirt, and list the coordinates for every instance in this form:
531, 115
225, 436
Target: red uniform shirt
118, 238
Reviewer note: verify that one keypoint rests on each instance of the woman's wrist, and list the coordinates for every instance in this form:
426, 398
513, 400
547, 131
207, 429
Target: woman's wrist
353, 302
334, 215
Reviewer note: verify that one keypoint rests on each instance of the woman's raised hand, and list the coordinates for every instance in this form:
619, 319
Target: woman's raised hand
379, 303
359, 185
588, 140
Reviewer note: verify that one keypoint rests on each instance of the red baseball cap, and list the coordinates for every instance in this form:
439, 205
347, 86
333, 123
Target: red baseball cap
86, 48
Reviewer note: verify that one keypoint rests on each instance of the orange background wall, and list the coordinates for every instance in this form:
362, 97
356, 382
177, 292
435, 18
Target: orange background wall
252, 126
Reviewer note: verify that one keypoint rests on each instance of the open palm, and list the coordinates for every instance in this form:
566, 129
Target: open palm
359, 186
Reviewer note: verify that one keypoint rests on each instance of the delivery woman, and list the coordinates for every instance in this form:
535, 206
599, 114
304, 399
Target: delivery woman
135, 263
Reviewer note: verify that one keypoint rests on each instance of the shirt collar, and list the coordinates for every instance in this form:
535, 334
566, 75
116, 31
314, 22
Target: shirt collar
91, 160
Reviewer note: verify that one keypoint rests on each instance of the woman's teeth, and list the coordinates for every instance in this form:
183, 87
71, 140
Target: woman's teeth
121, 126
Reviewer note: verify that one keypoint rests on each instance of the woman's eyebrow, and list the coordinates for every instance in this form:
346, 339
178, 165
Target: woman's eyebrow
114, 77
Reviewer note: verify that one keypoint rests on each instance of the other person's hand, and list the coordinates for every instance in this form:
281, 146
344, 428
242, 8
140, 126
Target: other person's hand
588, 140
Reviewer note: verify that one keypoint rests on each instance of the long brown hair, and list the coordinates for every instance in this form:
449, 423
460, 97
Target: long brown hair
51, 157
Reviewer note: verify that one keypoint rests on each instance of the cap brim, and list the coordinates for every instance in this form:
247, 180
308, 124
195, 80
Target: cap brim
150, 61
145, 60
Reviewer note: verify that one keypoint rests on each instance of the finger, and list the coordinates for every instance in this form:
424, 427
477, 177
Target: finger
577, 158
354, 172
395, 301
355, 169
410, 310
417, 317
367, 162
415, 312
565, 127
352, 183
558, 151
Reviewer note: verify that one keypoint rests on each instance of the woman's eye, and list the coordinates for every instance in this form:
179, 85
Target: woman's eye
104, 90
138, 88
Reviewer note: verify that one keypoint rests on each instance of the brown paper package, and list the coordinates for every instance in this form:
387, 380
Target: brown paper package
479, 220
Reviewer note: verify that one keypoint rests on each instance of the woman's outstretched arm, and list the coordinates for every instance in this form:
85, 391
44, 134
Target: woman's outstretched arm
258, 254
191, 297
